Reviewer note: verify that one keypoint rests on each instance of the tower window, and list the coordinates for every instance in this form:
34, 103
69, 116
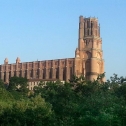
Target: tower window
91, 24
88, 24
88, 32
91, 28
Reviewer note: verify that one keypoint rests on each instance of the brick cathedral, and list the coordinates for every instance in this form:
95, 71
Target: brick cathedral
88, 60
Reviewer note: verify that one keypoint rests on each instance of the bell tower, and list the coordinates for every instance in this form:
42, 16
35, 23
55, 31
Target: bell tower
89, 55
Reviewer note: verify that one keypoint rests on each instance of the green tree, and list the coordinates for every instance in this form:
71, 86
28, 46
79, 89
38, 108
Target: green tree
2, 85
18, 83
32, 112
18, 86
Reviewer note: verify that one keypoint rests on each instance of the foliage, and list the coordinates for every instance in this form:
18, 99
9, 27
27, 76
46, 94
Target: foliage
77, 103
34, 112
2, 84
18, 86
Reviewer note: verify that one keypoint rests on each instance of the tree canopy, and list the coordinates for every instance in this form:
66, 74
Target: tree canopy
78, 102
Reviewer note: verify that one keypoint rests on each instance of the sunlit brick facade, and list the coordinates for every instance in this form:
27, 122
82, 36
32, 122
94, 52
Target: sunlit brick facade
88, 59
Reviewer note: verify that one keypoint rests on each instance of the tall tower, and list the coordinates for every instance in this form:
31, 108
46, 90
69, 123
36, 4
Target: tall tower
89, 55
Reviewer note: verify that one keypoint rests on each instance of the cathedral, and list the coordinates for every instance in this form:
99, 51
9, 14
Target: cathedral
88, 60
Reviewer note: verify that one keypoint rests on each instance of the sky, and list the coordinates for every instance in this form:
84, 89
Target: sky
48, 29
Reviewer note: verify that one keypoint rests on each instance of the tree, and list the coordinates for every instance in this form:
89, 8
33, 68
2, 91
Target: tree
32, 112
2, 85
76, 103
18, 86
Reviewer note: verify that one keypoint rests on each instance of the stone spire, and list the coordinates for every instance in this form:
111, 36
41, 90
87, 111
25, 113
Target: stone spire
18, 60
6, 61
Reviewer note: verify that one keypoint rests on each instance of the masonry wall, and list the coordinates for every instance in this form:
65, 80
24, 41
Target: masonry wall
61, 69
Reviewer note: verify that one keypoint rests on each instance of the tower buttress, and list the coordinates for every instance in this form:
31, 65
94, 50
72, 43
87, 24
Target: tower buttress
81, 32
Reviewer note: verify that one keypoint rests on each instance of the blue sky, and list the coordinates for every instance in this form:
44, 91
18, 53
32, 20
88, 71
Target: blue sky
48, 29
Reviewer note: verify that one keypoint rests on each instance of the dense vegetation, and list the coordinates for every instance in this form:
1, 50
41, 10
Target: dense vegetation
77, 103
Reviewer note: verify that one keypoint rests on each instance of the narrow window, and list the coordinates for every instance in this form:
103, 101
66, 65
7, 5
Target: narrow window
88, 24
71, 72
64, 74
50, 73
88, 32
9, 75
37, 73
14, 73
4, 76
43, 73
19, 73
84, 29
91, 28
57, 73
31, 73
25, 73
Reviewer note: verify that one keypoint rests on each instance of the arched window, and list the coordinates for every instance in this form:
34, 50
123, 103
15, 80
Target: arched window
71, 72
